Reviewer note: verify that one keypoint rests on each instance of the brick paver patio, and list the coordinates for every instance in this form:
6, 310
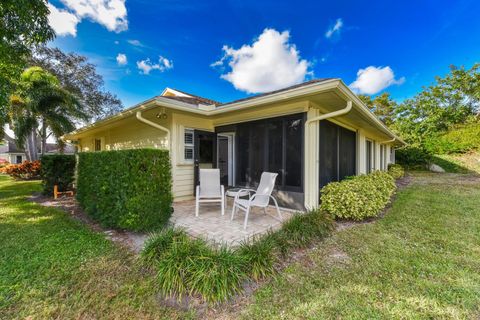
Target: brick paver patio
211, 225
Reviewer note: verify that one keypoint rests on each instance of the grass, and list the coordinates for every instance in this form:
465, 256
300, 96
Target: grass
459, 163
54, 267
421, 261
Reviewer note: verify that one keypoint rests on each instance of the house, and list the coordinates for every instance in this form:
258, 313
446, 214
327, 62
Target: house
311, 133
10, 152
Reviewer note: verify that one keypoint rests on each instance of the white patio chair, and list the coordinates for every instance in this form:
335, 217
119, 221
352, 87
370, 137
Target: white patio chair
260, 198
210, 189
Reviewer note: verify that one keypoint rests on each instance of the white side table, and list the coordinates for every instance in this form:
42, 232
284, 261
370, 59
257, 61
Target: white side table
232, 193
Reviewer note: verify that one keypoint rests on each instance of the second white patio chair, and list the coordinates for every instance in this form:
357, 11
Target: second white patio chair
260, 198
210, 189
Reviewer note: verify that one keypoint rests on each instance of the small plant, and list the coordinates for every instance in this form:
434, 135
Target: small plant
358, 198
396, 171
27, 170
259, 257
413, 157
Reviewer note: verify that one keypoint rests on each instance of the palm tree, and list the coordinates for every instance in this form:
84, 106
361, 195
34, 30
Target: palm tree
40, 102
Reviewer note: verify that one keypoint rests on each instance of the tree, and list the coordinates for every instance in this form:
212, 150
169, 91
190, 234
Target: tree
453, 99
40, 100
382, 105
23, 24
80, 78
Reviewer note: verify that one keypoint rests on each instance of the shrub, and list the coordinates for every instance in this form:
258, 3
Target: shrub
27, 170
396, 171
57, 169
413, 157
190, 266
459, 139
259, 257
358, 198
128, 189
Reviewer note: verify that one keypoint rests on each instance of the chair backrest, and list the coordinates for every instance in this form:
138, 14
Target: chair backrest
210, 183
265, 188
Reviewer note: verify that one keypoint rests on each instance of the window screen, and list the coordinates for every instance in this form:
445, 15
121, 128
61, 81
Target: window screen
188, 144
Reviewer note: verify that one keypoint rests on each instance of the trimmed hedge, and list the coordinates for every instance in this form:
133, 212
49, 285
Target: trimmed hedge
396, 171
57, 169
359, 197
127, 189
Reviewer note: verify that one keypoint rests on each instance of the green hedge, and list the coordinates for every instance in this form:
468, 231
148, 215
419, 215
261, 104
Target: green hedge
460, 139
127, 189
57, 169
359, 197
396, 171
413, 157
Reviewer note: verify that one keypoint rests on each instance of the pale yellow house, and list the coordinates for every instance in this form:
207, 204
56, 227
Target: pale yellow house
312, 133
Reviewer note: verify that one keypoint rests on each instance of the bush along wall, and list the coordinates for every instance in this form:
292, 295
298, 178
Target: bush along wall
57, 169
396, 171
126, 189
359, 197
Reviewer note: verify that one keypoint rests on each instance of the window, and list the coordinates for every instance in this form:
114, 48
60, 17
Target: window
188, 145
19, 159
369, 156
98, 145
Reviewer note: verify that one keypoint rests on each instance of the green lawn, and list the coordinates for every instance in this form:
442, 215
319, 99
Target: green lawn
53, 267
422, 260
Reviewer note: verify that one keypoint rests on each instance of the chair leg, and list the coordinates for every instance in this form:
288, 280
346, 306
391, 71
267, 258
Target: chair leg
265, 210
246, 218
234, 207
196, 207
223, 206
278, 209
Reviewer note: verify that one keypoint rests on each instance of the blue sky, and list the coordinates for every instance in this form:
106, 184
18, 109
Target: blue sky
375, 46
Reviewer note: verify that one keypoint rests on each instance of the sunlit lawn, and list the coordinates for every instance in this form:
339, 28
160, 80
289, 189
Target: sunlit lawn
421, 261
54, 267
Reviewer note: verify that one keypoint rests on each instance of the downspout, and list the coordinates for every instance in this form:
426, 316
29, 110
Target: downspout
155, 125
388, 141
331, 114
337, 113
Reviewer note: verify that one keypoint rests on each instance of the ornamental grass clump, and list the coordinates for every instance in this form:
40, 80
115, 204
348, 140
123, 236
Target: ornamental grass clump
396, 171
259, 257
191, 267
358, 198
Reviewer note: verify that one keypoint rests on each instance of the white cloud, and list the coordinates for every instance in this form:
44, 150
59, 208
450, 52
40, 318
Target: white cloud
335, 28
372, 80
122, 59
269, 63
136, 43
62, 22
145, 66
112, 14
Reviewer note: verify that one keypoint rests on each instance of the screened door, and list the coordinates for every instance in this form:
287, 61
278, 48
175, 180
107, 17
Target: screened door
337, 153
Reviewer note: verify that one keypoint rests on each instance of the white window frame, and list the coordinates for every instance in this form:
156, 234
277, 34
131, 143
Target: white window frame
188, 146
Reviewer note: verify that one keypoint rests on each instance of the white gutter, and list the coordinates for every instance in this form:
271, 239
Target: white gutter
388, 141
155, 125
331, 114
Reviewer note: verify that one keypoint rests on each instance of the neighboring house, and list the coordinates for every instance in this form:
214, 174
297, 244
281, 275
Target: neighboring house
9, 151
312, 133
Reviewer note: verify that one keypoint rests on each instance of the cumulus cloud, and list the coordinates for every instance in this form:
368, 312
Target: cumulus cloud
269, 63
334, 29
112, 14
122, 59
372, 80
145, 66
62, 22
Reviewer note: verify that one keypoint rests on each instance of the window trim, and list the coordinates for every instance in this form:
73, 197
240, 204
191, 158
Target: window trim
188, 146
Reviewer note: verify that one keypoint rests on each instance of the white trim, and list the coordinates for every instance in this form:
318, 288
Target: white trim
174, 92
231, 155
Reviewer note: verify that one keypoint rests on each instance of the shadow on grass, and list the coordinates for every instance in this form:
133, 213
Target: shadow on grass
451, 166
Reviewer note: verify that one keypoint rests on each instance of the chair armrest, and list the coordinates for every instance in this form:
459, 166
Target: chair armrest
241, 190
